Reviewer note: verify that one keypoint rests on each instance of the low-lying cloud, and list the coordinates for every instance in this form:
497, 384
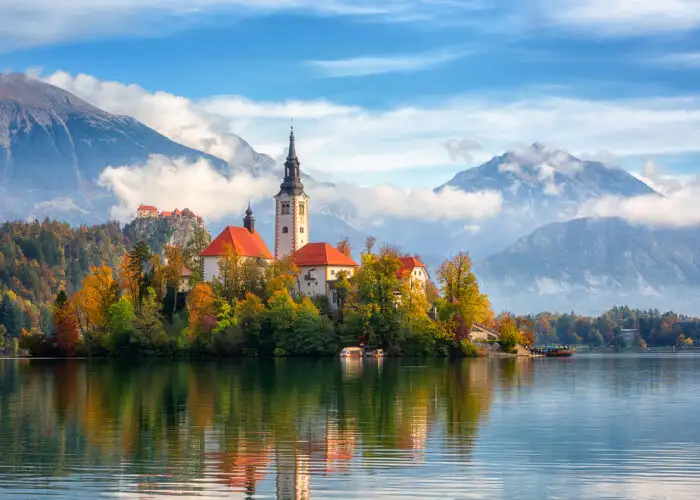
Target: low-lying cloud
177, 183
673, 207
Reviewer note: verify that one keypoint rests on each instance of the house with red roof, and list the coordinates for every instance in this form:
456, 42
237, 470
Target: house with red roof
145, 211
244, 241
414, 270
320, 265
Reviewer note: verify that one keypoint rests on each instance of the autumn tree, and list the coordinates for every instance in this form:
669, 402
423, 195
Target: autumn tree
281, 275
344, 247
202, 312
98, 292
509, 334
65, 324
462, 302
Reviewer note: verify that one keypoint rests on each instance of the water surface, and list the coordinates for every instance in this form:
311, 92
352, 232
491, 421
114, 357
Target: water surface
615, 426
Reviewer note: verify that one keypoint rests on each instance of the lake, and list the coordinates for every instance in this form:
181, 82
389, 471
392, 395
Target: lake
594, 426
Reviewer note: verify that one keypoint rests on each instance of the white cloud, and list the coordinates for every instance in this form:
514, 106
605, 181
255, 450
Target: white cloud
461, 149
376, 65
425, 204
659, 181
350, 140
35, 22
673, 208
175, 183
624, 17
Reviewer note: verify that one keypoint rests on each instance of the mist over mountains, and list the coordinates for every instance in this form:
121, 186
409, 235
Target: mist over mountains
537, 252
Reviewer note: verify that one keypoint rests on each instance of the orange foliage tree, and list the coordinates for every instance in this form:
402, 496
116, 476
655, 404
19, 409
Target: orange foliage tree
66, 324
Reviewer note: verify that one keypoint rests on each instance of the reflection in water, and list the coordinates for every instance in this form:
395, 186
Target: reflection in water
294, 429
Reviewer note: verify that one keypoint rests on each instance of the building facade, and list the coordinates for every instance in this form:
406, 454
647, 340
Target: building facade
244, 241
291, 208
320, 266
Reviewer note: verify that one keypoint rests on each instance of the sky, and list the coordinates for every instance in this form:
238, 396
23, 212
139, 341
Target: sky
401, 92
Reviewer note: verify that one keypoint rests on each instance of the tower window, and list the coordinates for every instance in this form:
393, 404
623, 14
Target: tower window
284, 208
301, 230
285, 230
302, 209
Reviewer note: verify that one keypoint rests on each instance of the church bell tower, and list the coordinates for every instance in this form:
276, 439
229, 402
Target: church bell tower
291, 208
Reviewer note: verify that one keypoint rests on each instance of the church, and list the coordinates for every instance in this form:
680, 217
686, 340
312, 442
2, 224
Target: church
320, 263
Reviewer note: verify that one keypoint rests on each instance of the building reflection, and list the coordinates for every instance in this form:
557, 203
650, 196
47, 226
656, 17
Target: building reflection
250, 431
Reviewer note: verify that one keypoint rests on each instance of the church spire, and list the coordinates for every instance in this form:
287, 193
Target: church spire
292, 173
249, 220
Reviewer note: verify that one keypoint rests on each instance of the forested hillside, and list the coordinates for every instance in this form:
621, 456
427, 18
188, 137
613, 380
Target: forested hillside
38, 259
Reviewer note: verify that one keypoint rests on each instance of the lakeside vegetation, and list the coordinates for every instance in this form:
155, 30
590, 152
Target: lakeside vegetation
90, 291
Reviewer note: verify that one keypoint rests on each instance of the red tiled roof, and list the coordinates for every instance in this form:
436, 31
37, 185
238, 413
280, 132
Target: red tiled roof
177, 212
242, 241
166, 214
408, 264
150, 208
322, 254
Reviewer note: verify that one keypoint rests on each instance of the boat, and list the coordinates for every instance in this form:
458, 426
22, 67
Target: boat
352, 352
374, 353
559, 352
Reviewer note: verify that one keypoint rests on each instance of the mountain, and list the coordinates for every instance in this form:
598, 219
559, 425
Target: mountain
540, 176
539, 185
53, 147
589, 264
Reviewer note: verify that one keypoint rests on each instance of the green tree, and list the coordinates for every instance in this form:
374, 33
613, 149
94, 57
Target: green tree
148, 324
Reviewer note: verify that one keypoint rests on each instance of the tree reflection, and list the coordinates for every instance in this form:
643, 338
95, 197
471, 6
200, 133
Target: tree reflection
233, 424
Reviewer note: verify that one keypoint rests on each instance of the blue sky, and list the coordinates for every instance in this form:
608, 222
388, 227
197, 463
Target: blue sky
492, 71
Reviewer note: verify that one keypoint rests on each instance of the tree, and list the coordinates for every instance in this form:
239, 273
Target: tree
202, 314
3, 334
148, 325
174, 267
121, 320
344, 247
198, 242
280, 317
249, 312
509, 333
281, 275
66, 324
462, 302
99, 291
370, 241
374, 301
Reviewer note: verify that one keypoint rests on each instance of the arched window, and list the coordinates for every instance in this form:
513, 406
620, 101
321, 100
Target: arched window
301, 230
285, 230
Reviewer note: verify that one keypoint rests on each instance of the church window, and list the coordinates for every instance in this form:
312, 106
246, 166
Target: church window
284, 208
301, 230
285, 230
302, 209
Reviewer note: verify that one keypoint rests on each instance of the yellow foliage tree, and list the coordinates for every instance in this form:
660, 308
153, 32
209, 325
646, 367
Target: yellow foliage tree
463, 303
98, 292
202, 314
